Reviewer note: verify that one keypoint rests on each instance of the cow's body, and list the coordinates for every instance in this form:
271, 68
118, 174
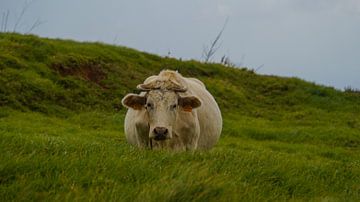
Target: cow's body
197, 128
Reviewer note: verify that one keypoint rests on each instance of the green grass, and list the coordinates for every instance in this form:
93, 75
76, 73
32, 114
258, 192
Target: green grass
61, 131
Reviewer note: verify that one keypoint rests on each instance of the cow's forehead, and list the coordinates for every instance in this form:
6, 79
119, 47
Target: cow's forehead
162, 95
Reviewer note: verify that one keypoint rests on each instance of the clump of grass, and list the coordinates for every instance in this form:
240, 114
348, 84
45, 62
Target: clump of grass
352, 90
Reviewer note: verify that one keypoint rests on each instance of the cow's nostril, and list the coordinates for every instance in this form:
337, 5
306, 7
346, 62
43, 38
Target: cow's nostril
161, 133
160, 130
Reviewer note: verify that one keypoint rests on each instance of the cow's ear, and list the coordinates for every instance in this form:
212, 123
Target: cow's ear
134, 101
189, 102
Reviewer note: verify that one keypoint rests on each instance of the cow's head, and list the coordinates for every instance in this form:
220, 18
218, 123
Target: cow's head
162, 107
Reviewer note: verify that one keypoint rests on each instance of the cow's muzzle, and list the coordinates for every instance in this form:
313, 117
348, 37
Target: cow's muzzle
160, 133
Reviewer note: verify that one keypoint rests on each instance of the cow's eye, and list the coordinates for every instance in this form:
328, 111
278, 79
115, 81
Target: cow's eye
149, 105
173, 106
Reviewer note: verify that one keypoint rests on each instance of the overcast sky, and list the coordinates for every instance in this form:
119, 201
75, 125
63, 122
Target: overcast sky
317, 40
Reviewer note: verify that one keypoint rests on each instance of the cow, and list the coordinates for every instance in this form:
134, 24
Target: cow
172, 112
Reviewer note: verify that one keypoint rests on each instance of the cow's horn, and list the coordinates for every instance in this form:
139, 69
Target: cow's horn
177, 87
145, 87
181, 89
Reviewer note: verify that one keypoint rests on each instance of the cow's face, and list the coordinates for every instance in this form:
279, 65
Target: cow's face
162, 108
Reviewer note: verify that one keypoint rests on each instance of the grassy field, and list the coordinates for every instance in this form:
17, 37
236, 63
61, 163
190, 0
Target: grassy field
61, 131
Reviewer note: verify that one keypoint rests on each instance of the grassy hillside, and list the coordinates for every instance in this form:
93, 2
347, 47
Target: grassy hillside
61, 131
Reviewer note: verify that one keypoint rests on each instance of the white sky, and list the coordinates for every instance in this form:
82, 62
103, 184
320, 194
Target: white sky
317, 40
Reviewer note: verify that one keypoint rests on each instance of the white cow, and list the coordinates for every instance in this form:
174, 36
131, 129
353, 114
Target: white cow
172, 112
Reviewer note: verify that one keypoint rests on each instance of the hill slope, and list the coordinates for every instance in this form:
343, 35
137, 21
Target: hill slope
62, 135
